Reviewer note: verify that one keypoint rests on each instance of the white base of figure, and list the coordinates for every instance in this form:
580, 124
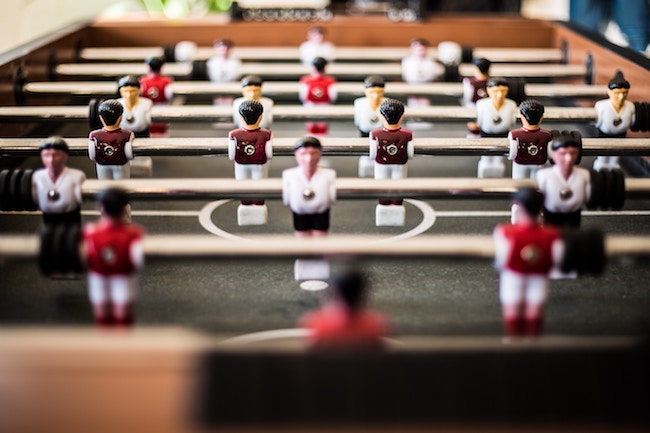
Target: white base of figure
525, 171
141, 166
366, 166
557, 274
418, 102
491, 166
109, 172
311, 269
390, 215
252, 214
610, 162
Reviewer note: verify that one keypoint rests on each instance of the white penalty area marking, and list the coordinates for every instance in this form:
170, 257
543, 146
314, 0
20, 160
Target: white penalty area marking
313, 285
428, 219
277, 334
274, 334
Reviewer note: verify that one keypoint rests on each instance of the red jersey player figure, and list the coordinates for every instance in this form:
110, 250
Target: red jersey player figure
111, 147
250, 147
344, 323
529, 144
525, 254
317, 89
156, 87
113, 252
475, 87
391, 147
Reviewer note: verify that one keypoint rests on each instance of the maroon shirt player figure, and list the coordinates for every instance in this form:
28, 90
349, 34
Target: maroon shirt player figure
251, 147
344, 324
529, 144
391, 147
475, 87
156, 87
111, 147
113, 252
318, 88
525, 254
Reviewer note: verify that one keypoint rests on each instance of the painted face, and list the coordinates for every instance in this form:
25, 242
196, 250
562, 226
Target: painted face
308, 158
419, 50
54, 159
374, 94
222, 50
130, 93
315, 36
497, 93
252, 92
565, 157
618, 97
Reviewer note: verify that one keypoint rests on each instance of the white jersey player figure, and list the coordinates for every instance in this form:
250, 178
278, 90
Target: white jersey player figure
136, 118
614, 116
496, 115
316, 46
419, 68
367, 117
57, 187
309, 191
566, 188
223, 67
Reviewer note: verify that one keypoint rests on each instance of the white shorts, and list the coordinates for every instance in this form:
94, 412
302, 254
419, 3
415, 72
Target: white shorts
119, 289
515, 288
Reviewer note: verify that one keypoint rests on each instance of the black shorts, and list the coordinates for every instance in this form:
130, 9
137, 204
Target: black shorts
68, 218
317, 221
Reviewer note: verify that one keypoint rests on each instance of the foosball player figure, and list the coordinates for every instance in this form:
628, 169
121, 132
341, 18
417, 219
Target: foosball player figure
566, 188
250, 147
391, 147
57, 187
475, 87
496, 115
137, 110
316, 46
156, 87
529, 144
614, 116
113, 251
525, 254
111, 147
223, 67
367, 117
317, 89
251, 86
418, 67
136, 118
344, 323
309, 191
